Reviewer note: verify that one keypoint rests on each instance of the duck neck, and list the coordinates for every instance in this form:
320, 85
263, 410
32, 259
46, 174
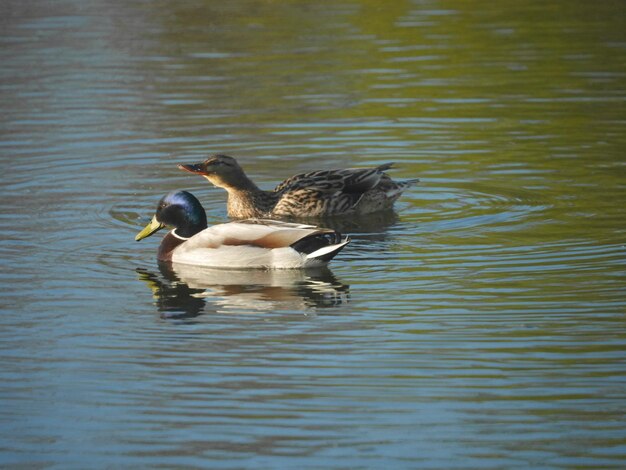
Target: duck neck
253, 203
168, 244
189, 230
238, 182
246, 184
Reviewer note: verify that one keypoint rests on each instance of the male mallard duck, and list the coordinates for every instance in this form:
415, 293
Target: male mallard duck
237, 245
314, 194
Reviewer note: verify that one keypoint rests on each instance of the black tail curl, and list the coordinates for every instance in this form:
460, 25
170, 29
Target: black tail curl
314, 242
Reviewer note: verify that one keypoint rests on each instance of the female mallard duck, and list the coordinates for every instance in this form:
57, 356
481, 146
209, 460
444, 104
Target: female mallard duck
237, 245
315, 194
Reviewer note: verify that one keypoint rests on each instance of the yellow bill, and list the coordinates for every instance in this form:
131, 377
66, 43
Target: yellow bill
149, 229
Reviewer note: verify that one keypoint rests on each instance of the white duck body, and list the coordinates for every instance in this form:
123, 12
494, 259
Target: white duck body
257, 244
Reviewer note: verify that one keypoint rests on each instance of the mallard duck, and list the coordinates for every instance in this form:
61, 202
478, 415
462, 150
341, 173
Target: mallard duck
255, 243
314, 194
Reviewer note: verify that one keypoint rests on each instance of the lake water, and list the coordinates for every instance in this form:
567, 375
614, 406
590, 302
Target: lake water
481, 325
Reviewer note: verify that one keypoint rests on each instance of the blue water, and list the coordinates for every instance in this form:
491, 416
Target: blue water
480, 325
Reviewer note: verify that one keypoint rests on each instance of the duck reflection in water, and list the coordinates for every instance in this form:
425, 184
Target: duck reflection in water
185, 291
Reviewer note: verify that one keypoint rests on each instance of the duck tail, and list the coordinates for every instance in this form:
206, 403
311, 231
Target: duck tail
396, 188
327, 253
320, 247
385, 166
407, 183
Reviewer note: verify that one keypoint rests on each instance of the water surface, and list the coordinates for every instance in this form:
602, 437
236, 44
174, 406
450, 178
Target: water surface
481, 325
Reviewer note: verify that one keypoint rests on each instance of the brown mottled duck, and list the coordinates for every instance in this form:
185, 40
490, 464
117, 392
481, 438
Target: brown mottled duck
315, 194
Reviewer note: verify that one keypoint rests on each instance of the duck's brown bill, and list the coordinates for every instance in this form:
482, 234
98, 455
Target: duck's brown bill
196, 168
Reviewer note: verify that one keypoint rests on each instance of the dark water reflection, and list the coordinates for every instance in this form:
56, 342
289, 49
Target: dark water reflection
184, 291
483, 325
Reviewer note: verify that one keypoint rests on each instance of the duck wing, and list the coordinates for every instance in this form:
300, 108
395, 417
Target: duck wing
348, 180
313, 202
260, 233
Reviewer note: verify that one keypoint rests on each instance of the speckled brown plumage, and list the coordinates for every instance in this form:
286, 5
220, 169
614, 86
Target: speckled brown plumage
314, 194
